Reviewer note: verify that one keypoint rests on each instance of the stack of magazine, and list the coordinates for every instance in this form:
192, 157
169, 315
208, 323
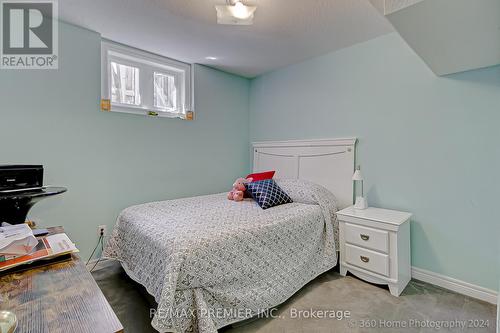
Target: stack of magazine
18, 246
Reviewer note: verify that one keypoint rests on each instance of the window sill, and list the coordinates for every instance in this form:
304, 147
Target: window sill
147, 112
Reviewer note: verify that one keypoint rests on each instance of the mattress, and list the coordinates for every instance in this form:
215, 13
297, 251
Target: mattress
210, 262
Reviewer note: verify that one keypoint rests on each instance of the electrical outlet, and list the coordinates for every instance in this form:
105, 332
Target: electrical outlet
102, 230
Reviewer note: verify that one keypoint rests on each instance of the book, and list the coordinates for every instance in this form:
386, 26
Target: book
48, 247
5, 257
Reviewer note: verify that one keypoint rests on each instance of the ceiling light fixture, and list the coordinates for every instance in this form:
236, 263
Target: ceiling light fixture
240, 11
235, 13
211, 58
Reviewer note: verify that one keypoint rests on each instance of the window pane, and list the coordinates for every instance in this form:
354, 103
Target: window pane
165, 94
125, 84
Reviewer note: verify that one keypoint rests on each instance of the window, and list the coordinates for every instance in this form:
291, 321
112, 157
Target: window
165, 94
124, 84
143, 83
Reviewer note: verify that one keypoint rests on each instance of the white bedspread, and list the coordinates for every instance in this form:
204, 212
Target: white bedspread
210, 262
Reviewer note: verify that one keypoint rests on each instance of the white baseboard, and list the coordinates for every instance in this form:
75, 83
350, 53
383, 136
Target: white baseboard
455, 285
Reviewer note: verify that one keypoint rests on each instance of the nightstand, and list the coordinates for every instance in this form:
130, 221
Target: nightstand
375, 246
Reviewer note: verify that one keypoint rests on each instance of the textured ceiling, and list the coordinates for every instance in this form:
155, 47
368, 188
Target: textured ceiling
284, 31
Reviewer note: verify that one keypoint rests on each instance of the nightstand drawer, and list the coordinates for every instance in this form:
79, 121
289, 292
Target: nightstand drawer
367, 259
367, 237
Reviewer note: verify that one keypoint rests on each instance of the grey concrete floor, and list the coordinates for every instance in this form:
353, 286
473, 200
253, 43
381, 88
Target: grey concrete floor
421, 308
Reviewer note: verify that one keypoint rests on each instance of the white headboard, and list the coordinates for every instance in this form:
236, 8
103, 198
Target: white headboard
329, 163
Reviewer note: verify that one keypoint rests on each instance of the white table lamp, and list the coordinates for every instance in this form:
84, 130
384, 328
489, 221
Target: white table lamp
360, 200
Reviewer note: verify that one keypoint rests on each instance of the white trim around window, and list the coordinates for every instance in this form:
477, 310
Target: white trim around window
140, 82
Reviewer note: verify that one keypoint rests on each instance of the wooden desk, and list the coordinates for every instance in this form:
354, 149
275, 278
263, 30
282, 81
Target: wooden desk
61, 297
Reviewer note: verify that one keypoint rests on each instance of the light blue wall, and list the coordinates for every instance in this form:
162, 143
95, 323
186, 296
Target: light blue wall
428, 144
109, 161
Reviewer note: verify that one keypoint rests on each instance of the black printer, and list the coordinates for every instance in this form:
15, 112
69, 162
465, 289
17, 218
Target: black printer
21, 186
20, 177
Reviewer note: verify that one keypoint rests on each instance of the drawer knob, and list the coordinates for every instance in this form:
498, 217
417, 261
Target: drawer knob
364, 237
364, 259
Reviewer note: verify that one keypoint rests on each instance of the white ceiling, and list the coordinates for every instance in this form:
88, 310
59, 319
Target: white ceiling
458, 35
284, 31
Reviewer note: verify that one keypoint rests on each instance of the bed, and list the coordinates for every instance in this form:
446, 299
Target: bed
210, 262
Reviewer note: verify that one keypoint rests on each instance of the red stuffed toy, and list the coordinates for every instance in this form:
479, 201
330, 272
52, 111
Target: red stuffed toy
239, 188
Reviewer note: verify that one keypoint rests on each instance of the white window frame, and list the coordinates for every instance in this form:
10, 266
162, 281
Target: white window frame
148, 64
